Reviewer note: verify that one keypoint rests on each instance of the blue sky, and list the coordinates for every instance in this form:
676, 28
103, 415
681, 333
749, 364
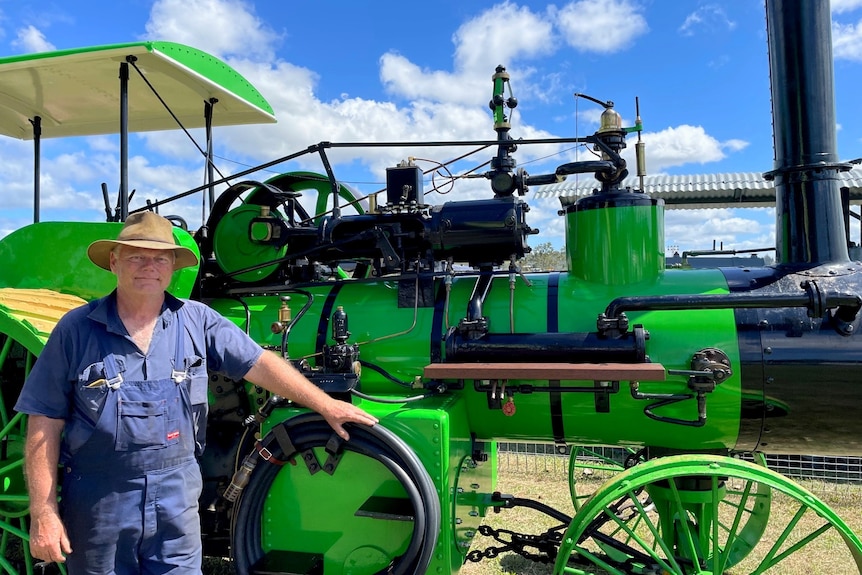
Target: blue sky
403, 71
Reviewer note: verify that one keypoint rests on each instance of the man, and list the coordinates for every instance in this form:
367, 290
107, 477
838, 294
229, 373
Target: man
117, 396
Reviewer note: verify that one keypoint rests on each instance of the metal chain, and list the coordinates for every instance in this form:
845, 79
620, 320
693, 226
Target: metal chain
547, 544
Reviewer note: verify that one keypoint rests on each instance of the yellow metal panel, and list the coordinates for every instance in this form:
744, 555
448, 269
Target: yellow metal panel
40, 308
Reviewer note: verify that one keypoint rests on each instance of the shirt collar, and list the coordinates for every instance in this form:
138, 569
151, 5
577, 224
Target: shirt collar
105, 312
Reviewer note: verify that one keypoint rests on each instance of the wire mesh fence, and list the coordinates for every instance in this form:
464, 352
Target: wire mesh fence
551, 460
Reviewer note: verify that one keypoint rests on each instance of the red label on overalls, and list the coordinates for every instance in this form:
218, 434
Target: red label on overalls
173, 435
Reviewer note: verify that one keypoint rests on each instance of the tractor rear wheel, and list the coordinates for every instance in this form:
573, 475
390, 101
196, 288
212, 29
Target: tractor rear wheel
15, 363
704, 515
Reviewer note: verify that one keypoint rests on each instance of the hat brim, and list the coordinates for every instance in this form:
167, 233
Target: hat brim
99, 252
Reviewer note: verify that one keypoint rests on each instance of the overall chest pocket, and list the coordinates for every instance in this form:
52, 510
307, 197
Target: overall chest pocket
143, 425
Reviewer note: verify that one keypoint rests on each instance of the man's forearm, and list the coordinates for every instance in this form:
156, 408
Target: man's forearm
41, 461
278, 376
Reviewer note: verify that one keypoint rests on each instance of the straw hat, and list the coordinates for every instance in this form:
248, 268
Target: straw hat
143, 230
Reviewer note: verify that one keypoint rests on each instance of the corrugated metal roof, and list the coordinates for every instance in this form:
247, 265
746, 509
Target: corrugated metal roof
747, 189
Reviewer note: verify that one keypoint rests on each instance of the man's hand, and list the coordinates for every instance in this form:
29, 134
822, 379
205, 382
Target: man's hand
337, 413
48, 539
280, 377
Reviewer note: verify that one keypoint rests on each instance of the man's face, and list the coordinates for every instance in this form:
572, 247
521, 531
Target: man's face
142, 271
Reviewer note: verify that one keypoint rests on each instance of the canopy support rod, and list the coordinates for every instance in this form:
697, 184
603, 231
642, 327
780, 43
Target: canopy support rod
208, 117
36, 122
124, 137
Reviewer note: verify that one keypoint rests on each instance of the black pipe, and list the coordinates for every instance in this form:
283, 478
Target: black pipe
543, 347
477, 298
815, 301
809, 216
589, 166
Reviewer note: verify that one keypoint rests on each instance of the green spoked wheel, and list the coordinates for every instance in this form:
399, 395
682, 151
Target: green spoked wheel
589, 467
704, 515
27, 316
15, 362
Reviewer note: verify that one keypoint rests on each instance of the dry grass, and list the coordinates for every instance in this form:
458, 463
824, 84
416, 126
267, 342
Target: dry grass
544, 479
534, 477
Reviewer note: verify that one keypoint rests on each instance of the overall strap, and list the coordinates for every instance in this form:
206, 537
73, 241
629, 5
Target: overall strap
113, 374
179, 350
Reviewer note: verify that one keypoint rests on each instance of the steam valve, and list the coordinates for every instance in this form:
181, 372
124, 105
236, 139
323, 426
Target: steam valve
283, 316
339, 370
341, 357
339, 325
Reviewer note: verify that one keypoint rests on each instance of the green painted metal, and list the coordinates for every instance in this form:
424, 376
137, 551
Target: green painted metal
84, 95
585, 461
617, 245
16, 359
31, 270
712, 512
689, 492
239, 242
234, 251
499, 80
53, 255
331, 515
311, 181
399, 338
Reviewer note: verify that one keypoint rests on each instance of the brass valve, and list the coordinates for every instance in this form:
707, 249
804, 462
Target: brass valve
283, 316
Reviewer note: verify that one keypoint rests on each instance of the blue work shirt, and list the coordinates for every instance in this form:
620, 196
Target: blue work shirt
73, 355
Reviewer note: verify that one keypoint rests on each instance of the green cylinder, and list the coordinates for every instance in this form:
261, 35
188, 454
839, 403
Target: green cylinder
615, 238
398, 335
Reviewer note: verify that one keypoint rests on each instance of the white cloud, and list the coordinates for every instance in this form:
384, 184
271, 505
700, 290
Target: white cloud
685, 144
601, 26
220, 27
502, 35
711, 17
730, 228
734, 145
31, 39
847, 41
426, 104
839, 6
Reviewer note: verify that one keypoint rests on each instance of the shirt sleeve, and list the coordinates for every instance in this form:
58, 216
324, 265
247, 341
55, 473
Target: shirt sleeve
48, 388
230, 351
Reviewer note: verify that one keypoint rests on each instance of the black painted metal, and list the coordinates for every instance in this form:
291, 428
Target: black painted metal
809, 215
801, 377
544, 347
812, 299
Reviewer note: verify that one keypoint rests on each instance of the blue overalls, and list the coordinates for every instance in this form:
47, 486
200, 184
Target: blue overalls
131, 485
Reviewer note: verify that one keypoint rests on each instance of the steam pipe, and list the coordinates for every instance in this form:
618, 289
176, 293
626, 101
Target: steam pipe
810, 225
815, 301
589, 166
477, 298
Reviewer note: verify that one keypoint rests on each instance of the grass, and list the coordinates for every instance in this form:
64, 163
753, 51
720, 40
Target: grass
543, 478
540, 478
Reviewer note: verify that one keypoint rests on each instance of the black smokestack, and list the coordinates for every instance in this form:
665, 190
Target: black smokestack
809, 217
